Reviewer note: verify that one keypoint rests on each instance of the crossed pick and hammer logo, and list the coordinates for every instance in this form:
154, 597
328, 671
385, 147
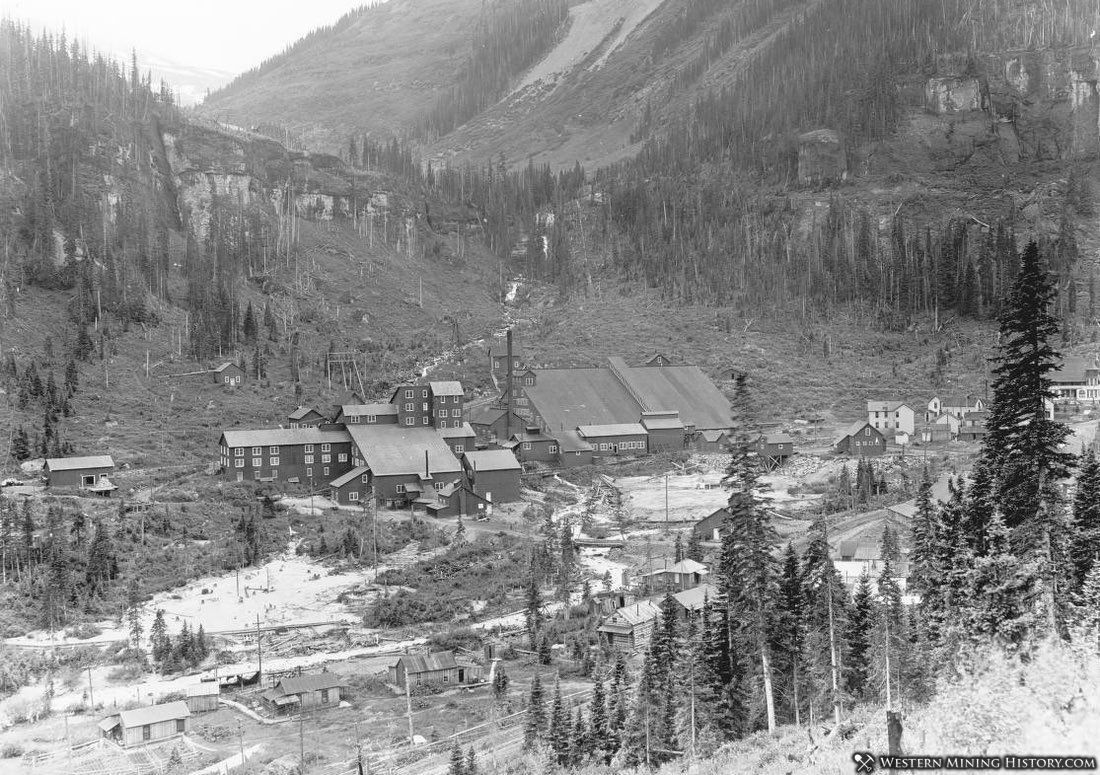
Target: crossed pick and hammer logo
865, 762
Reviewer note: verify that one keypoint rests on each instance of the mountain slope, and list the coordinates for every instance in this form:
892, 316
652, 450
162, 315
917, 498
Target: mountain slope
377, 70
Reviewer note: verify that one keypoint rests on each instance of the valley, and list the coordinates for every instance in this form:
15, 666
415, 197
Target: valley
554, 386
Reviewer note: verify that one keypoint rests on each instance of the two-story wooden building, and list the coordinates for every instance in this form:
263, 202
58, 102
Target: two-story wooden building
532, 445
630, 628
493, 474
665, 431
405, 464
431, 404
305, 417
891, 417
293, 455
460, 438
774, 449
677, 577
367, 414
573, 451
860, 439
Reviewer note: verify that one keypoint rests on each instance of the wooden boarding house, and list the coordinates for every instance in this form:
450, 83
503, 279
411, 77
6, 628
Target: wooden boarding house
678, 577
305, 417
860, 439
438, 668
150, 724
493, 474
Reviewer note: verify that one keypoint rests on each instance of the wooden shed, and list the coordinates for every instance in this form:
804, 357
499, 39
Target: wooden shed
88, 473
151, 724
202, 697
320, 690
438, 668
229, 374
629, 629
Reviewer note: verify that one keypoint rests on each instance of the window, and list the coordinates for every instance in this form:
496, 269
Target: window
553, 448
456, 399
439, 485
239, 452
240, 462
425, 421
257, 450
409, 407
274, 473
424, 393
274, 462
410, 421
441, 413
354, 419
309, 447
371, 418
309, 473
603, 447
527, 445
442, 423
460, 448
324, 471
181, 725
257, 462
342, 457
293, 425
866, 431
326, 458
353, 496
529, 381
365, 478
399, 488
309, 459
424, 407
408, 394
326, 447
88, 480
147, 731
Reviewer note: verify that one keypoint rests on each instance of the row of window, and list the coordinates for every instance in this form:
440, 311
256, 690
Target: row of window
605, 446
412, 420
362, 418
400, 488
257, 463
551, 449
274, 449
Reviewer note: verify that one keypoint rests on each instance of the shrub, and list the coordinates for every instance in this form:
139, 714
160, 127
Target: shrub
11, 751
455, 639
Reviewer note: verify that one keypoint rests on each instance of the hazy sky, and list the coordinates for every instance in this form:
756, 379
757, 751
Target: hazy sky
224, 35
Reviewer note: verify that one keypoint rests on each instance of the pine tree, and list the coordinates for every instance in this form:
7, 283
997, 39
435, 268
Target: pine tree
580, 743
616, 705
248, 327
1001, 585
533, 611
1085, 621
458, 761
201, 646
925, 574
597, 719
861, 623
979, 507
536, 714
567, 561
694, 547
678, 549
787, 643
558, 730
72, 378
158, 638
889, 656
825, 619
269, 322
1085, 543
747, 569
1022, 444
20, 445
471, 762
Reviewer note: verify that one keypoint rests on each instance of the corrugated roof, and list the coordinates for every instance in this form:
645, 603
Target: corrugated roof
465, 432
425, 663
566, 398
492, 460
310, 683
391, 450
74, 463
274, 437
351, 475
204, 689
615, 429
302, 411
662, 423
693, 599
571, 441
377, 409
632, 615
683, 388
446, 388
154, 714
683, 566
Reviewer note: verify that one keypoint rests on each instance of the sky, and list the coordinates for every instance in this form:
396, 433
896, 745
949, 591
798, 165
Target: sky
193, 43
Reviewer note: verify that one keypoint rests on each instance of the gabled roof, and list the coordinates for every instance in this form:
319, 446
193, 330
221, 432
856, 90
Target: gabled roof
77, 463
683, 566
886, 406
303, 411
571, 441
310, 683
631, 615
492, 460
273, 437
777, 438
956, 401
464, 432
1073, 370
351, 475
615, 429
426, 663
446, 388
693, 599
391, 450
853, 429
524, 436
225, 366
154, 714
712, 437
204, 689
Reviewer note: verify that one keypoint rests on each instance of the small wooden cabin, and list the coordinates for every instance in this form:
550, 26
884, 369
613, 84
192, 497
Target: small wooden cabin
88, 473
320, 690
438, 668
151, 724
228, 374
629, 629
202, 697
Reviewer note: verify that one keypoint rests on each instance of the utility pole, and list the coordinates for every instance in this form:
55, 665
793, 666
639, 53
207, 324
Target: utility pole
91, 696
301, 743
240, 738
693, 707
409, 707
666, 501
259, 650
358, 750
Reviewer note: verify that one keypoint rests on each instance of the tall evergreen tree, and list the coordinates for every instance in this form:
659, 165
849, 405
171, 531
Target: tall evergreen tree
536, 714
825, 619
747, 571
1085, 543
559, 729
787, 642
859, 628
1024, 445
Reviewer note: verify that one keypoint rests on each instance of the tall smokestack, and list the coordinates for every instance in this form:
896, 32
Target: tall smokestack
511, 398
427, 469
